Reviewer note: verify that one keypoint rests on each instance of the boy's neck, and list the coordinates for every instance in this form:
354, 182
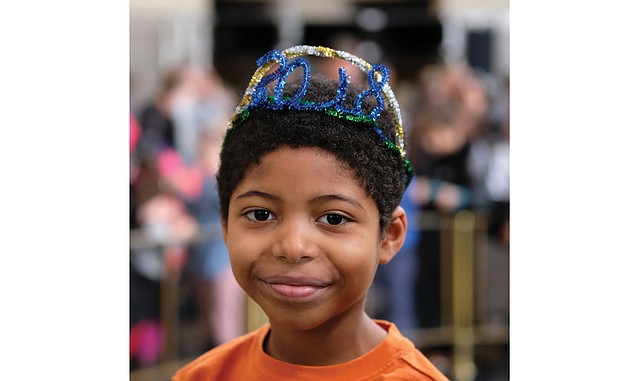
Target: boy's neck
335, 342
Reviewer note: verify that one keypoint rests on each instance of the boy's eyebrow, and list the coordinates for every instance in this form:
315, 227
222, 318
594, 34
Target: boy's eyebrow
255, 193
323, 198
338, 197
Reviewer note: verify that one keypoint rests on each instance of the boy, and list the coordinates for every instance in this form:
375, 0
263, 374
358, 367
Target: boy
310, 182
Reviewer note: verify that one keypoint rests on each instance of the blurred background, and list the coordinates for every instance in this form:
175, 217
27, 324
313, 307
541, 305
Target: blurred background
190, 61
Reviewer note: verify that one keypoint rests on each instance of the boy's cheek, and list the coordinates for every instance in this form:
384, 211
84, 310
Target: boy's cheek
240, 259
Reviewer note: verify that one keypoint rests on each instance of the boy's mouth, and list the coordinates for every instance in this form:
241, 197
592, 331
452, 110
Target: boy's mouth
295, 287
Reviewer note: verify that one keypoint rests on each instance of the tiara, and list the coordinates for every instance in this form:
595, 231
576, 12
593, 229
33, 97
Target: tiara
256, 96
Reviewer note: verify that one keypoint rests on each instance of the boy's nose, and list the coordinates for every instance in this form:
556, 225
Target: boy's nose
295, 242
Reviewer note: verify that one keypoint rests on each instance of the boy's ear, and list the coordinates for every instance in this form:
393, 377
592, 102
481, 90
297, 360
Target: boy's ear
394, 237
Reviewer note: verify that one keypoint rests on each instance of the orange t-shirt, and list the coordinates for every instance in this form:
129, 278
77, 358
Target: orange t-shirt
395, 358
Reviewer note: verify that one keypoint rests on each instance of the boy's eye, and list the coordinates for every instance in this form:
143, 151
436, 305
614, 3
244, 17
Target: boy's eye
259, 215
333, 219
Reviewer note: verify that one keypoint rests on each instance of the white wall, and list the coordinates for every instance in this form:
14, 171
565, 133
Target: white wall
164, 34
460, 16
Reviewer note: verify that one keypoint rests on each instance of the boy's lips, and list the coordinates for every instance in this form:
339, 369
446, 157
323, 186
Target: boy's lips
295, 287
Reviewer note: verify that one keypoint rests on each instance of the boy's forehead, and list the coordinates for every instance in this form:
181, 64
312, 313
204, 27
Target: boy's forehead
286, 164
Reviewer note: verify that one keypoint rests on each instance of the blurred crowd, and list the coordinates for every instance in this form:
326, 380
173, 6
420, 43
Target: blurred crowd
457, 126
174, 145
458, 122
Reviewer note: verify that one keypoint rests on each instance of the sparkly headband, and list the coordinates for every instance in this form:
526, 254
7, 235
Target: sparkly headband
256, 98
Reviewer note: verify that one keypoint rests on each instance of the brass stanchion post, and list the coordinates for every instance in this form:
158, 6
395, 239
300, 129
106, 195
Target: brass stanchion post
463, 296
169, 310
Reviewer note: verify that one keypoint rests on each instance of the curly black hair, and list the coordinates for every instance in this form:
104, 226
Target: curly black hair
379, 170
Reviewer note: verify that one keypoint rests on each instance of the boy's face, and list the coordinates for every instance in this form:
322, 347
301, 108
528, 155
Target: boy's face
304, 238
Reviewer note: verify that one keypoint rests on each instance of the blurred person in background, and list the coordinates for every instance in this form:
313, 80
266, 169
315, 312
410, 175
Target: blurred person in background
150, 131
158, 212
219, 298
451, 109
490, 166
203, 102
200, 112
156, 118
160, 184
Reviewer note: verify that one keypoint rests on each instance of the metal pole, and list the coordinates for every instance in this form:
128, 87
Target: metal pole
463, 296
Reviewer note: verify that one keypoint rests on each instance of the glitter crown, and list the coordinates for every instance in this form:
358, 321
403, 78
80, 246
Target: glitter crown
256, 96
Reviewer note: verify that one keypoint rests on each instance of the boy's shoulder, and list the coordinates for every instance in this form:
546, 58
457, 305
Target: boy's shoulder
225, 359
405, 361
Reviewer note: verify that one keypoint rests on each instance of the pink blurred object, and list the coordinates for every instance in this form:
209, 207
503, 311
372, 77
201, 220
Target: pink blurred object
146, 340
187, 180
175, 258
134, 132
169, 162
